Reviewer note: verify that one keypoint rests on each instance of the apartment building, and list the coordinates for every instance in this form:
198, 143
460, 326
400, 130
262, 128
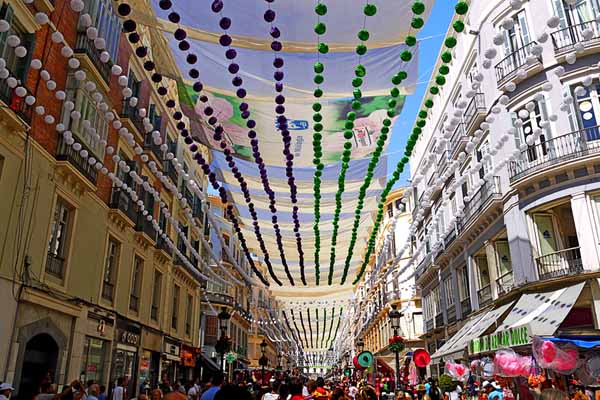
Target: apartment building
90, 290
505, 175
388, 283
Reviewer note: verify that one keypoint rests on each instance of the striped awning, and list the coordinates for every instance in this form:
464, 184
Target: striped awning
473, 328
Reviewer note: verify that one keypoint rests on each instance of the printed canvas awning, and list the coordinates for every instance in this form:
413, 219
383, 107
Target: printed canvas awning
475, 327
543, 312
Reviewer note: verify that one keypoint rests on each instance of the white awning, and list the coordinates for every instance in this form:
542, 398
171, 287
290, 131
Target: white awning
543, 312
475, 327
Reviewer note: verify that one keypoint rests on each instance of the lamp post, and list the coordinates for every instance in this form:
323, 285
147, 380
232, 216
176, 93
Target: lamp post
395, 316
263, 361
223, 344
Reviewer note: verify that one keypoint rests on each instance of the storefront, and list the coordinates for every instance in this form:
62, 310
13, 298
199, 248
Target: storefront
95, 356
171, 357
125, 355
190, 365
149, 372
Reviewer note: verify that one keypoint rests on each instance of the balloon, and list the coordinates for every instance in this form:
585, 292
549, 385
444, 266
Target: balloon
548, 351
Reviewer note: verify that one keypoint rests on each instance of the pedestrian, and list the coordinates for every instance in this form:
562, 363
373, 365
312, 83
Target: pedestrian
119, 391
156, 394
284, 392
273, 394
93, 391
102, 394
6, 391
232, 392
47, 391
165, 384
296, 390
215, 386
320, 392
194, 391
494, 391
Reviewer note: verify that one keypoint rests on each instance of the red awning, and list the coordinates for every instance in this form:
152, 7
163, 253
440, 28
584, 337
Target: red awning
383, 367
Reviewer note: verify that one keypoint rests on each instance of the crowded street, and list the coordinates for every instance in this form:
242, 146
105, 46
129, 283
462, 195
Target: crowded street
300, 200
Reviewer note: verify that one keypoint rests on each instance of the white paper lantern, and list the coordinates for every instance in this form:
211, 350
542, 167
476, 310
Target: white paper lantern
66, 52
30, 100
77, 5
105, 57
490, 53
553, 21
13, 40
4, 26
51, 85
508, 23
543, 38
85, 20
486, 64
116, 70
21, 91
57, 37
510, 87
80, 75
100, 43
498, 39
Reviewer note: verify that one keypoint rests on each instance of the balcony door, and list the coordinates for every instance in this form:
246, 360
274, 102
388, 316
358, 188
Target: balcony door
545, 229
588, 113
532, 117
573, 15
515, 41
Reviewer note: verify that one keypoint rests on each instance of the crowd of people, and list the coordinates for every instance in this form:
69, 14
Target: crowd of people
296, 387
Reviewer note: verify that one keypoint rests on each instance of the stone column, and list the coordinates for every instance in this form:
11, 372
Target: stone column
519, 243
584, 220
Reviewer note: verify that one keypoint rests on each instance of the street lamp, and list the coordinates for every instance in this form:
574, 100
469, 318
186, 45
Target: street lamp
395, 316
223, 344
263, 361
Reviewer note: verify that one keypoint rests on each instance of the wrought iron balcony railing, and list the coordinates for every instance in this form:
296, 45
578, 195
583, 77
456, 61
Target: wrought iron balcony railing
573, 145
67, 153
587, 33
512, 62
83, 45
560, 263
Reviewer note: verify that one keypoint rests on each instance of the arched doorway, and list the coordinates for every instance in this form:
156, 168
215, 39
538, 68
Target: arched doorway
39, 359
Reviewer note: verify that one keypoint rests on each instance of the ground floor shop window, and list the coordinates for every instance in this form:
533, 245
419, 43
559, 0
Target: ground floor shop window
149, 370
124, 365
93, 359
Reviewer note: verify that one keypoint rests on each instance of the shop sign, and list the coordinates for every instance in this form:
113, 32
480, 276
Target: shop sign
231, 357
171, 348
188, 356
507, 338
127, 337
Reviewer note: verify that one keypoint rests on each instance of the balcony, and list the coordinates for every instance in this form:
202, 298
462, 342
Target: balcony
582, 143
458, 140
153, 148
451, 314
564, 39
197, 210
83, 45
121, 201
511, 63
67, 153
133, 121
465, 307
475, 112
55, 265
442, 163
505, 283
429, 325
560, 263
15, 103
481, 199
485, 295
145, 226
170, 172
220, 299
420, 270
187, 194
161, 244
439, 320
450, 237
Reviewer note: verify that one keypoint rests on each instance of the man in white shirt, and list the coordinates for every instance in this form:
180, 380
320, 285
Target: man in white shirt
119, 391
6, 391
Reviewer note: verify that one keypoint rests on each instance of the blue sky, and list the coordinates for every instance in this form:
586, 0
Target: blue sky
436, 26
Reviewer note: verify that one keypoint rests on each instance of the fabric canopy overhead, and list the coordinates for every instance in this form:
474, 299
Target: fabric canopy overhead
251, 40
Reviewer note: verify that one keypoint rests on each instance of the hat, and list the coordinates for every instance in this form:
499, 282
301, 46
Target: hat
495, 385
421, 388
6, 386
485, 384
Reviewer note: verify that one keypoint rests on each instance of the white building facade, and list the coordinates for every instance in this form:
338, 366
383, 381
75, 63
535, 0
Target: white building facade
506, 174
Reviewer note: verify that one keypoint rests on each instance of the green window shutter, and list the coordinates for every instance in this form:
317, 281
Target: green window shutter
28, 41
6, 13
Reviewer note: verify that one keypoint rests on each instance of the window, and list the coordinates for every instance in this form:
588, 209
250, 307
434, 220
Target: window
448, 292
400, 206
93, 358
580, 12
136, 284
107, 22
484, 273
588, 112
189, 306
156, 294
180, 242
473, 71
437, 298
18, 67
463, 283
503, 262
95, 130
110, 269
390, 210
518, 36
483, 156
59, 236
175, 309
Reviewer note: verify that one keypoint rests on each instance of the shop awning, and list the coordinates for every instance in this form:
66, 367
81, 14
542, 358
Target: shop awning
542, 312
383, 366
208, 363
475, 327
